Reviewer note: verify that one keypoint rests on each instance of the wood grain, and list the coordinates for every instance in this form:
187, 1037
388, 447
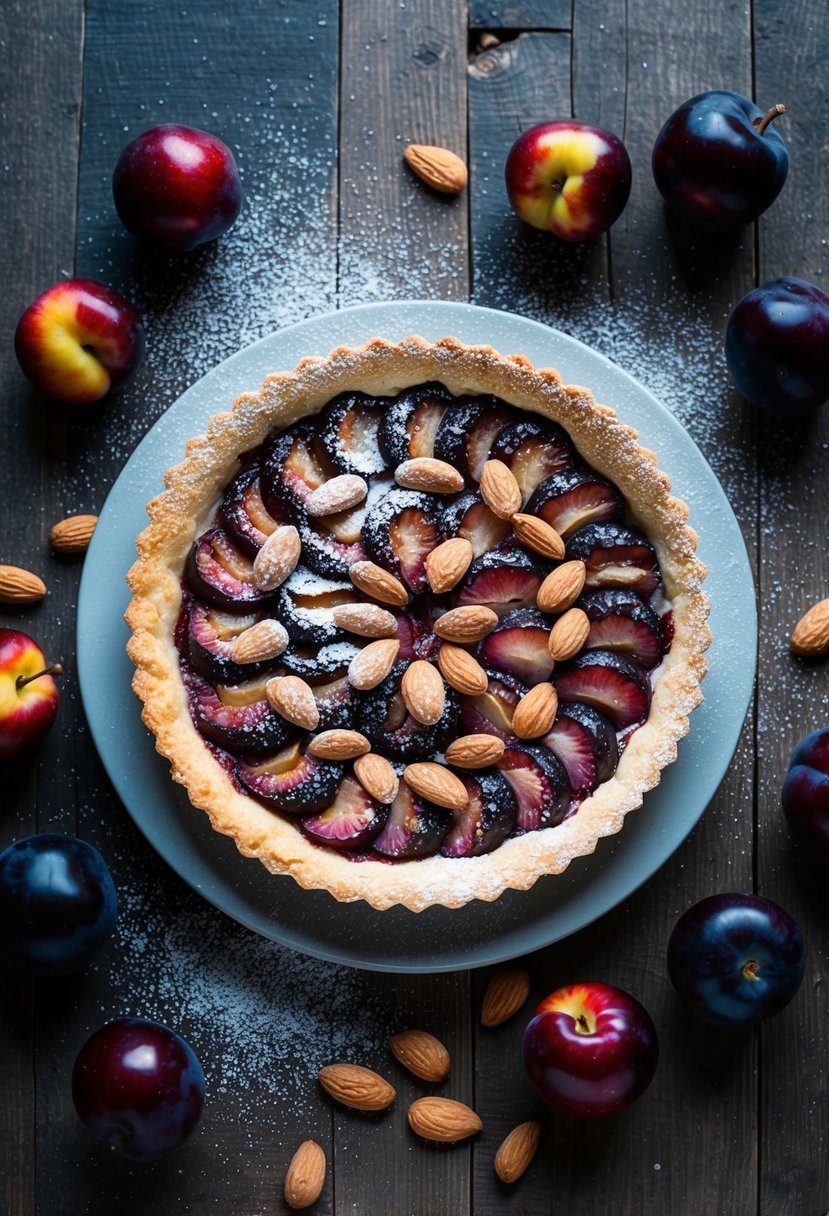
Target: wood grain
520, 14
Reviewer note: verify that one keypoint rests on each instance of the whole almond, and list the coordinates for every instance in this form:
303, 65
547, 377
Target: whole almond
535, 712
338, 745
277, 558
462, 670
366, 620
499, 489
437, 167
264, 640
339, 494
421, 1053
306, 1176
357, 1087
379, 584
562, 587
424, 693
377, 776
539, 536
506, 993
448, 563
73, 534
517, 1151
374, 662
426, 473
437, 784
18, 586
468, 624
443, 1119
568, 635
475, 751
810, 638
293, 699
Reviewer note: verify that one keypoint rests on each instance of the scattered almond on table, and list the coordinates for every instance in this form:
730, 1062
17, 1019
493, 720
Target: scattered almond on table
358, 1087
306, 1176
517, 1150
72, 535
443, 1119
506, 993
422, 1053
19, 586
810, 639
437, 167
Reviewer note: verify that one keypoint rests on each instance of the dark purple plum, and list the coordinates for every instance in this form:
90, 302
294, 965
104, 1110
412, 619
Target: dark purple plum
618, 688
414, 828
400, 532
410, 423
349, 431
315, 666
305, 605
334, 702
534, 449
243, 514
139, 1088
381, 715
622, 621
615, 556
414, 631
486, 820
574, 497
540, 784
467, 431
806, 791
502, 581
210, 633
219, 573
736, 959
245, 727
491, 712
292, 466
58, 904
468, 517
585, 743
292, 781
351, 820
518, 646
777, 347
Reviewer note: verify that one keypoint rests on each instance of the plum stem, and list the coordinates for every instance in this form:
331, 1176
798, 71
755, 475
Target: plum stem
768, 117
751, 969
55, 669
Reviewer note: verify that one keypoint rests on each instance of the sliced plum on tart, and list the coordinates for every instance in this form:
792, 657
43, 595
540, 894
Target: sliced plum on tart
400, 532
210, 634
351, 820
533, 449
240, 726
622, 621
219, 573
617, 687
350, 433
615, 556
571, 498
540, 784
315, 664
381, 715
490, 712
305, 605
467, 432
585, 743
410, 423
292, 780
487, 819
292, 468
503, 581
414, 827
468, 517
518, 646
243, 514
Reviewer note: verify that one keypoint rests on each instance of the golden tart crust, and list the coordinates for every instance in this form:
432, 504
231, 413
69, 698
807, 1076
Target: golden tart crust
383, 368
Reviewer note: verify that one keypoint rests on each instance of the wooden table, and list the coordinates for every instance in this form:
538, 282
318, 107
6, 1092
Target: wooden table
318, 98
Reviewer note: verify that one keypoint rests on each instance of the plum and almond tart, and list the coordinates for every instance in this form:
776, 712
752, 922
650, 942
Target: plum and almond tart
417, 623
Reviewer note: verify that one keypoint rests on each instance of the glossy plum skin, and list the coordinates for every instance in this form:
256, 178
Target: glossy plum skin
806, 791
138, 1087
58, 904
736, 959
591, 1049
27, 713
711, 165
777, 346
177, 187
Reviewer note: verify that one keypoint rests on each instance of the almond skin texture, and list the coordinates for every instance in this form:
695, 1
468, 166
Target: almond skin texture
475, 751
562, 588
339, 494
426, 473
421, 1053
435, 783
539, 536
423, 692
462, 670
443, 1119
264, 640
568, 635
535, 712
339, 745
18, 586
293, 699
306, 1176
810, 638
377, 776
448, 563
374, 662
366, 620
277, 558
379, 584
506, 993
468, 624
499, 489
437, 167
73, 534
515, 1155
357, 1087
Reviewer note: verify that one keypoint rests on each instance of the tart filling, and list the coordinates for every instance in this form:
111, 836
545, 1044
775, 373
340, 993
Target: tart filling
394, 549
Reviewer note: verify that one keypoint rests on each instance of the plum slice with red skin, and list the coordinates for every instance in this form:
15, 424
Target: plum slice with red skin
540, 784
399, 533
254, 727
571, 498
349, 431
533, 449
324, 552
615, 556
381, 715
621, 620
292, 781
585, 743
210, 634
469, 517
243, 514
518, 645
292, 466
503, 581
483, 434
219, 573
488, 817
350, 821
617, 687
410, 423
491, 712
415, 633
467, 432
414, 828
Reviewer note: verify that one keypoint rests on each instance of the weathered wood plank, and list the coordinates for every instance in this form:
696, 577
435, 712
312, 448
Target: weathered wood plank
520, 14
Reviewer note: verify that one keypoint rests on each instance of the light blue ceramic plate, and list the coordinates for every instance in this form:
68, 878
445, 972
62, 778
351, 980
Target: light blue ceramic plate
397, 940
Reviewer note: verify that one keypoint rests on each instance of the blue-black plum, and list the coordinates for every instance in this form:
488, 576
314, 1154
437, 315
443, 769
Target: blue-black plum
717, 162
806, 790
736, 959
777, 346
58, 904
139, 1088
